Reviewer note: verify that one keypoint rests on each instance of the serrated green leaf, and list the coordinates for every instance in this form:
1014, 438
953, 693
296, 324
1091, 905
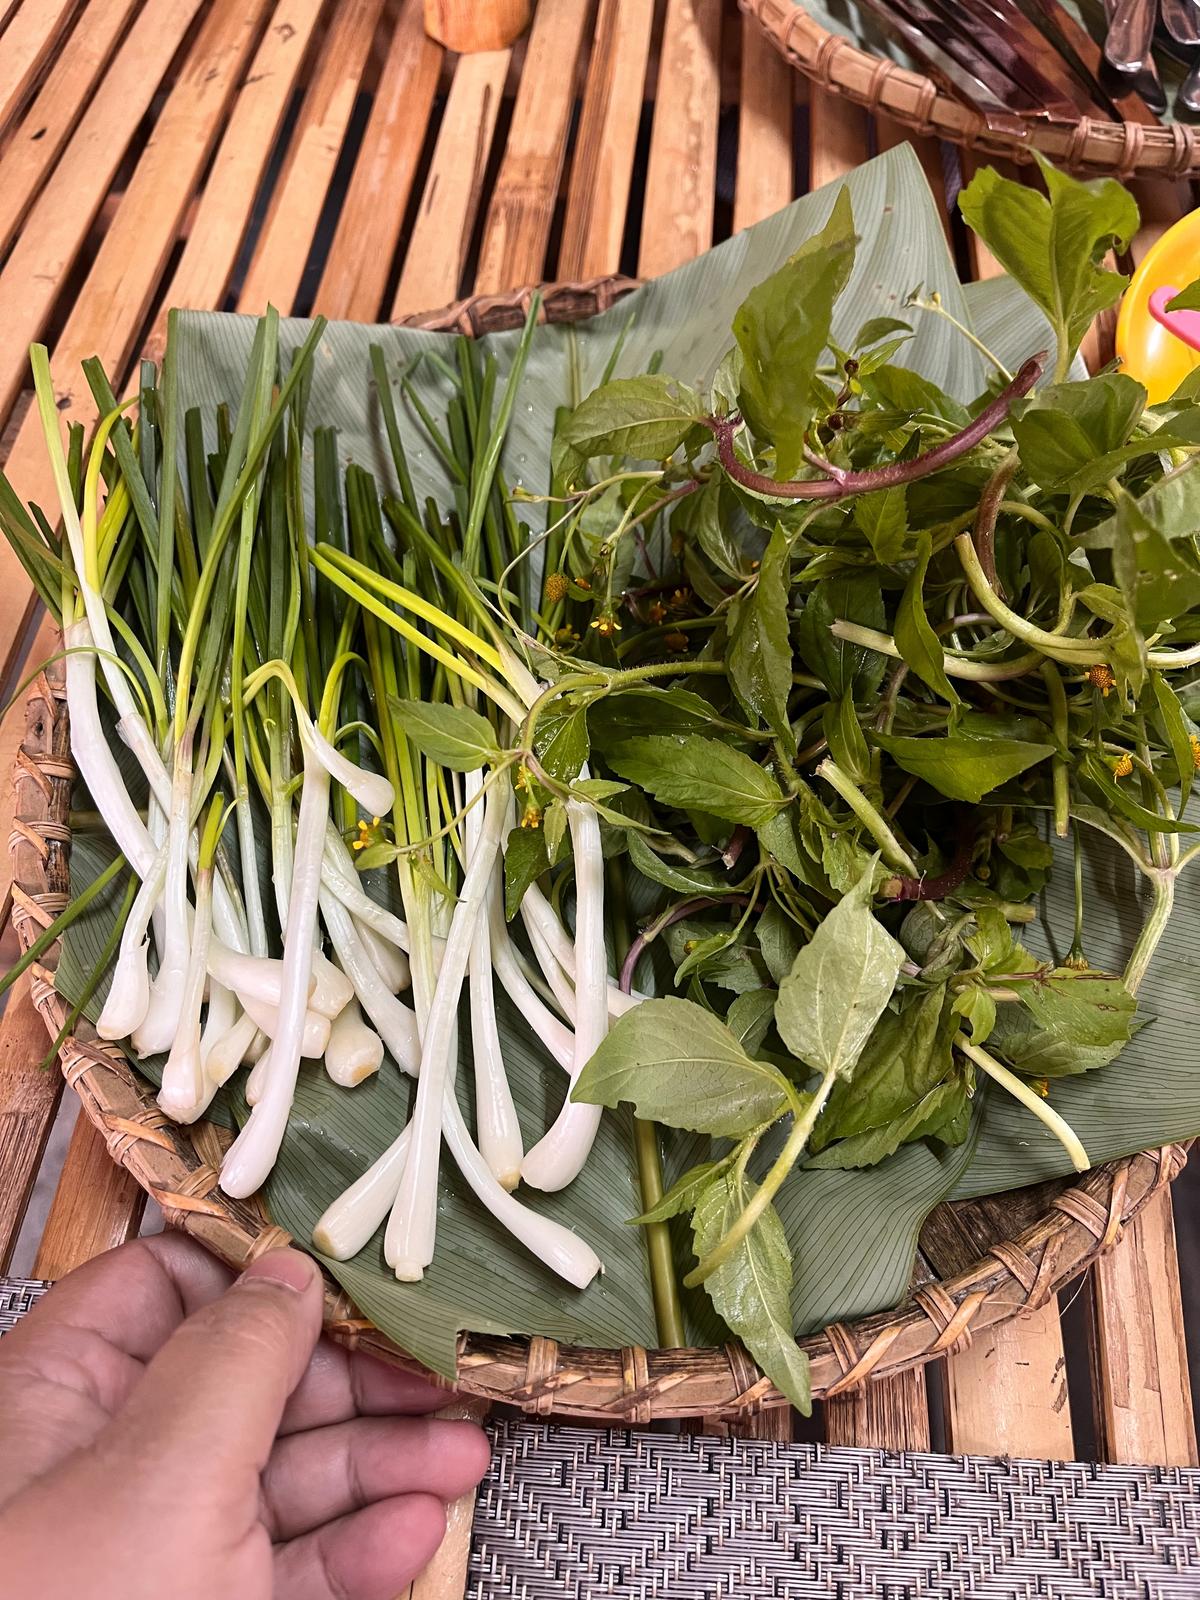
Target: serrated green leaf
646, 418
525, 859
918, 644
453, 736
701, 774
760, 651
685, 1192
751, 1290
683, 879
853, 597
678, 1064
782, 329
882, 517
561, 742
839, 984
960, 766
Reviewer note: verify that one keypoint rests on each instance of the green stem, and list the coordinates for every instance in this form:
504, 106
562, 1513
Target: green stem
1060, 647
802, 1127
1029, 1098
872, 820
1059, 767
1153, 928
664, 1287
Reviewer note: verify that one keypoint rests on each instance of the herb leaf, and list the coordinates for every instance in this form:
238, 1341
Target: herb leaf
917, 642
752, 1289
839, 984
960, 766
454, 736
700, 774
782, 329
760, 652
678, 1064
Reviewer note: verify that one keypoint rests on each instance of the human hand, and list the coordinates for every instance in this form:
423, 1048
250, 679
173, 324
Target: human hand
167, 1430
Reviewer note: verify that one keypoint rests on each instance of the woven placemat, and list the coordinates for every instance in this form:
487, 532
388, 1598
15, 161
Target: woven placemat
576, 1512
580, 1513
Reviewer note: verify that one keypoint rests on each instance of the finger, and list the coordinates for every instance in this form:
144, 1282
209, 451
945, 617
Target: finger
69, 1366
216, 1390
313, 1478
134, 1297
337, 1386
371, 1555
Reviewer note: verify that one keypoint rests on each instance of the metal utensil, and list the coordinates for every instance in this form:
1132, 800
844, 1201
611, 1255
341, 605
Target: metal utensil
1005, 34
1118, 94
1181, 19
1130, 30
1188, 93
929, 52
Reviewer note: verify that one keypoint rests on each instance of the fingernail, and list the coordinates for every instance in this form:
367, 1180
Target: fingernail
287, 1267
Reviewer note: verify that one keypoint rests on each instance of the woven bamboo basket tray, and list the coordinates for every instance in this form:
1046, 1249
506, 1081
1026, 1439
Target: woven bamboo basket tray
1024, 1245
1091, 145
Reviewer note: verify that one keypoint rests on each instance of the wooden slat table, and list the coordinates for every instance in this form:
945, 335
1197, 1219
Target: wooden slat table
324, 155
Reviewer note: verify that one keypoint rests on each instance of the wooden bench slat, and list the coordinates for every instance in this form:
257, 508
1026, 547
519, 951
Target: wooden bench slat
437, 248
838, 136
681, 175
60, 219
28, 40
1007, 1394
111, 307
1144, 1404
889, 134
201, 278
602, 163
29, 1100
766, 126
96, 1206
313, 151
36, 142
517, 227
356, 272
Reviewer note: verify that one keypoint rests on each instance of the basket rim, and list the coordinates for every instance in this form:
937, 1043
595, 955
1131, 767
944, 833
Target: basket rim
919, 103
177, 1166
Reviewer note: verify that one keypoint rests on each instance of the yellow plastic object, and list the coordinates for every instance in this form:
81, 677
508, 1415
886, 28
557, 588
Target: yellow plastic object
1148, 351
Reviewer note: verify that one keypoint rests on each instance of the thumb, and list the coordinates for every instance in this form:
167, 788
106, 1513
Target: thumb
216, 1390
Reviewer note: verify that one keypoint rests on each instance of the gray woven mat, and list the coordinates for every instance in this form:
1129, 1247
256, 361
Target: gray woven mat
580, 1513
575, 1512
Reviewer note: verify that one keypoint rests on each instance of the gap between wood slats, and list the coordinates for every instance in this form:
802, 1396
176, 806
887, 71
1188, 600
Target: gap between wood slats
111, 308
356, 272
37, 141
59, 221
313, 151
602, 163
521, 209
28, 40
205, 268
445, 218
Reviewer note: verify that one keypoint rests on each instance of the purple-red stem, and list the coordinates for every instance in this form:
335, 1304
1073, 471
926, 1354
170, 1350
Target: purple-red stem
676, 914
842, 484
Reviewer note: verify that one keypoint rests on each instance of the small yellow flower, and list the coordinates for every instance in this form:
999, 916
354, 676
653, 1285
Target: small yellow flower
558, 586
531, 817
566, 636
681, 599
1123, 765
1195, 744
1101, 677
522, 779
368, 833
606, 625
1040, 1086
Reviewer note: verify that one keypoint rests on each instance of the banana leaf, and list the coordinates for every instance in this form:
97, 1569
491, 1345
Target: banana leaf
853, 1233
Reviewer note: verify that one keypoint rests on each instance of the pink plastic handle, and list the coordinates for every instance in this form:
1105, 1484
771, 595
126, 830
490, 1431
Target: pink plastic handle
1184, 325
